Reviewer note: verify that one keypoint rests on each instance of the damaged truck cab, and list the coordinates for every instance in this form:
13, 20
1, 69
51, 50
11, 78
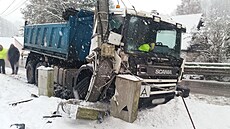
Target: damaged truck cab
144, 44
151, 46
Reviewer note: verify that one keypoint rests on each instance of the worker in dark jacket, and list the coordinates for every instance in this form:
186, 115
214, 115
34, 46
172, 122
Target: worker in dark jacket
3, 53
13, 57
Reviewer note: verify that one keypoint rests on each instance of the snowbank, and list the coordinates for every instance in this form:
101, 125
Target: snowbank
208, 112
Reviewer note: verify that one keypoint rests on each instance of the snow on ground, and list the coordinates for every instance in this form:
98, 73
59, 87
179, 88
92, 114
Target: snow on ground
208, 112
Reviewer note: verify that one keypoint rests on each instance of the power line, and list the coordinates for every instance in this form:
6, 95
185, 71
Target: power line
16, 8
8, 7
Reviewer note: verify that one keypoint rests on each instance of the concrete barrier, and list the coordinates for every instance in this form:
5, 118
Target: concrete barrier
124, 104
45, 81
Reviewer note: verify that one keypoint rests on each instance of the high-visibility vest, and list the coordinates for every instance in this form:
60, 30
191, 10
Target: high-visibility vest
144, 48
3, 53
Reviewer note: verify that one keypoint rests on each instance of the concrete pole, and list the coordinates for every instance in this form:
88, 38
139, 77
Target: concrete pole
102, 22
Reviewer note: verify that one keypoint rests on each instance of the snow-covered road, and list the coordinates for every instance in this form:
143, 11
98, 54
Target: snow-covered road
208, 112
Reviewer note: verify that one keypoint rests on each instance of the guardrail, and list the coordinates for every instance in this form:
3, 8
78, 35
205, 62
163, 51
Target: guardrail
208, 87
207, 68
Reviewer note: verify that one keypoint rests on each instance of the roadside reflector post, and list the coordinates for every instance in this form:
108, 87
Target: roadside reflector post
45, 81
124, 104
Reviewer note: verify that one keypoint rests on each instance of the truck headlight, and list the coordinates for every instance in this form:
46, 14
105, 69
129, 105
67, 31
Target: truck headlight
142, 70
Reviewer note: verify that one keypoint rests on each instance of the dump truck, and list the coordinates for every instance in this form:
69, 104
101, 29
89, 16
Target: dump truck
90, 49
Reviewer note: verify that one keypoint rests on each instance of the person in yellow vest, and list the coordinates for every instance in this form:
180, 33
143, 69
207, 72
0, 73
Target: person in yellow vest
146, 47
3, 54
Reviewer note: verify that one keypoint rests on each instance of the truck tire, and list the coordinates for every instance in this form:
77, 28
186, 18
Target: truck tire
82, 81
30, 72
36, 72
81, 88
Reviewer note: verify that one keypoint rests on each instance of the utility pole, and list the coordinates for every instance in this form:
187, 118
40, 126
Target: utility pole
103, 72
102, 15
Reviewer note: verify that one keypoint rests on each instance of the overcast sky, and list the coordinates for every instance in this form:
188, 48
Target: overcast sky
162, 6
10, 10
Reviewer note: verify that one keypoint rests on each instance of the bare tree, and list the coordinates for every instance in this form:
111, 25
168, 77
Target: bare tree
213, 40
43, 11
189, 7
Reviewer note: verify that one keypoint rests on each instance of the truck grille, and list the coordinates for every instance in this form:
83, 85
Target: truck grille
160, 86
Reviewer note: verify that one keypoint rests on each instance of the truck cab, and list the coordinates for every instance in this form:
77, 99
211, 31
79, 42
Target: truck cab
151, 45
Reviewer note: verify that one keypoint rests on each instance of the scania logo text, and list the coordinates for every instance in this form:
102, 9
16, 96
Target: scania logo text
163, 71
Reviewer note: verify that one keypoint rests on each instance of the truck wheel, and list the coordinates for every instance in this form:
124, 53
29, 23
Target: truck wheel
36, 72
30, 72
82, 81
80, 90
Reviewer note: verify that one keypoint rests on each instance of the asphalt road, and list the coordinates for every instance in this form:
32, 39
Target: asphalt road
208, 87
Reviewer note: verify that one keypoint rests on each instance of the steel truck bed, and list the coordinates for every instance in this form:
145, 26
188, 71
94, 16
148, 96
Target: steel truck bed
68, 41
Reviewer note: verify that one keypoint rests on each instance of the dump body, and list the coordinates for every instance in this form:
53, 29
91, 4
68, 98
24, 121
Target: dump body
69, 41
